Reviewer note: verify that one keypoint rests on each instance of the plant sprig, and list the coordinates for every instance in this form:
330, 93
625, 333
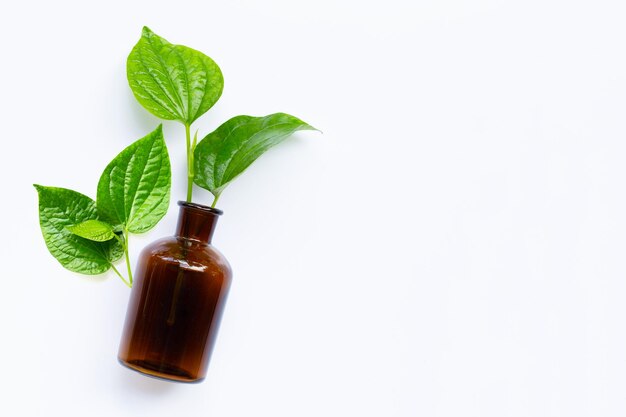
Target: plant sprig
175, 82
88, 236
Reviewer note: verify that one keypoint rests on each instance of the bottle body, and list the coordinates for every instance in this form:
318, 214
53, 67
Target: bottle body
176, 304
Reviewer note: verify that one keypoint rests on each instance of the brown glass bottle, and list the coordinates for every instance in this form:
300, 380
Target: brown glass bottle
177, 300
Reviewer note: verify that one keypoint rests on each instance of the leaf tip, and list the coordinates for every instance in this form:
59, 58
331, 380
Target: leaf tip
159, 128
145, 31
158, 132
303, 125
309, 127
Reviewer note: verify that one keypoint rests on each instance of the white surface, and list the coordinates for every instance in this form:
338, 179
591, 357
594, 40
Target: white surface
452, 245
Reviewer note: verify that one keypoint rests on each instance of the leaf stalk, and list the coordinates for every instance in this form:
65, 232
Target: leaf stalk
190, 173
129, 285
127, 257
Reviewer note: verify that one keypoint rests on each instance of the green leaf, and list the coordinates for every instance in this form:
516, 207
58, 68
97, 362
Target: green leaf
173, 82
134, 189
226, 152
95, 230
60, 208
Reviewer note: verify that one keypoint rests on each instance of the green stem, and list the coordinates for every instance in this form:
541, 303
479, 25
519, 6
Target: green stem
189, 163
121, 277
217, 197
130, 272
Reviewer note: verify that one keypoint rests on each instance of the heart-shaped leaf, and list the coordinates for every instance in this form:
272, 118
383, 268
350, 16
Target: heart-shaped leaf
173, 82
226, 152
60, 208
95, 230
134, 189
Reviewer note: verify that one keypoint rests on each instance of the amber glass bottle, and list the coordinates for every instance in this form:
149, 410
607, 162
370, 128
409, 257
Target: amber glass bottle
177, 300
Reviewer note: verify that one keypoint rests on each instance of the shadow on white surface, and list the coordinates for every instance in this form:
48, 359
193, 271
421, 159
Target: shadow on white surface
95, 279
134, 383
141, 117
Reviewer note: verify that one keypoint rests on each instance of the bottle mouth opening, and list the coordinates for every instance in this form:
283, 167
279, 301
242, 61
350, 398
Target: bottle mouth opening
200, 207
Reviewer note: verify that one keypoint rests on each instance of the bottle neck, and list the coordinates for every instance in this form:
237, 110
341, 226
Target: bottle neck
196, 221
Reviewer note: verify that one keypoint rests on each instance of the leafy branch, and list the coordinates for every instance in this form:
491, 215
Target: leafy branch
175, 82
88, 236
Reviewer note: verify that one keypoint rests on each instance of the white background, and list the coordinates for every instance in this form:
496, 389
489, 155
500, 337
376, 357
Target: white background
452, 245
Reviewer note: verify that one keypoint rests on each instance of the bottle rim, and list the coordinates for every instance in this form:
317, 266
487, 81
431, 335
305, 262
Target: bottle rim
202, 207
